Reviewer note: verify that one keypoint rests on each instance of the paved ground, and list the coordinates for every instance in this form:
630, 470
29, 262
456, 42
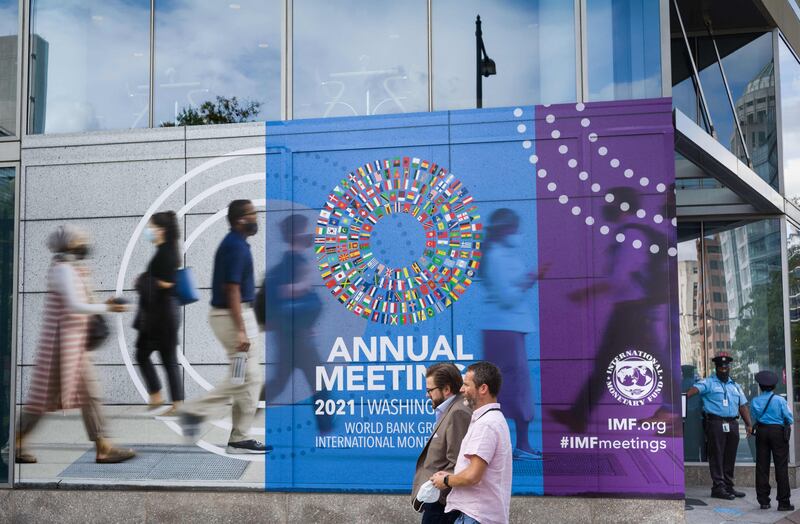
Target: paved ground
60, 440
702, 509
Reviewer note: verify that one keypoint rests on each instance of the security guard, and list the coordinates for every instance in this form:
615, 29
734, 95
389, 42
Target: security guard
771, 416
723, 402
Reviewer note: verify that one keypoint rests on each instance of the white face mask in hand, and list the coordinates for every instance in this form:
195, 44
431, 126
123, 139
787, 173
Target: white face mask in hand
428, 493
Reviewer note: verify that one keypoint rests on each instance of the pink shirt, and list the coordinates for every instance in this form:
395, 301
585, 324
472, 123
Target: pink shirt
488, 438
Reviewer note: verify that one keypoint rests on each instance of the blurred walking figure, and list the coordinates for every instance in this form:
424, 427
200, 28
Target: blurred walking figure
158, 317
234, 324
507, 318
64, 377
292, 308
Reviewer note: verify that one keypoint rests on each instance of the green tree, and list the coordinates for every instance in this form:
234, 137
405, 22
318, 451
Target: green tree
222, 111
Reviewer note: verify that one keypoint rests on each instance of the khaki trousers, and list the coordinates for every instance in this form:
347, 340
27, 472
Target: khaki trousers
245, 395
91, 402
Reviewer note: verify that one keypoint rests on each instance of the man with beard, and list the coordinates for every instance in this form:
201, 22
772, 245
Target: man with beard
234, 324
723, 402
481, 482
443, 384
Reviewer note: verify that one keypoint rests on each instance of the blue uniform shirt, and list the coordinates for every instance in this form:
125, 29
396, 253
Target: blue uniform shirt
233, 264
714, 392
777, 411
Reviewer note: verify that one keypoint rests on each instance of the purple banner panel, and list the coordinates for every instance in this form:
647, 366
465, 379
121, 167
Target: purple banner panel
609, 344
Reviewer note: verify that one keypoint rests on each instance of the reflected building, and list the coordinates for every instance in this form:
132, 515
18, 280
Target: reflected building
691, 314
755, 110
8, 85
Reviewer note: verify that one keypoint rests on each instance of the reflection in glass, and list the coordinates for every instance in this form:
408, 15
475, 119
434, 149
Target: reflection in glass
7, 176
624, 43
532, 43
731, 299
693, 356
89, 65
743, 302
793, 266
205, 49
9, 27
790, 123
353, 58
748, 64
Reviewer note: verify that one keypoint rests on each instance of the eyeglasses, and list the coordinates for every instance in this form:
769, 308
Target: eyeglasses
431, 389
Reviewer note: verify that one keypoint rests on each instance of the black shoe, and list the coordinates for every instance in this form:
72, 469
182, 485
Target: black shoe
766, 506
190, 425
737, 494
785, 507
723, 495
252, 447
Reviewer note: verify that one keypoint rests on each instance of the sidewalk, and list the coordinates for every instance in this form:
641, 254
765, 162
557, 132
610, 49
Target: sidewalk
702, 509
164, 457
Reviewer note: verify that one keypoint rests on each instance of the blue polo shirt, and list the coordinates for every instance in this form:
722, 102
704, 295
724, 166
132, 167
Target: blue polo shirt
233, 264
713, 393
777, 411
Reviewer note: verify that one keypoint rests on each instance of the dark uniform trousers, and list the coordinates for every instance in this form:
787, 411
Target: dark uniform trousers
722, 448
769, 439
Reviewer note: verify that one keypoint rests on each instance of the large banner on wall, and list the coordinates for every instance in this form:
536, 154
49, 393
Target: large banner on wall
539, 238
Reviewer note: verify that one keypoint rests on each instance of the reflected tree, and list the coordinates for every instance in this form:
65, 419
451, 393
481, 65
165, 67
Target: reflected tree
222, 111
761, 324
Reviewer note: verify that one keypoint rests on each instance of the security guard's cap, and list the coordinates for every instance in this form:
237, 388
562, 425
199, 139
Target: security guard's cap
766, 378
723, 357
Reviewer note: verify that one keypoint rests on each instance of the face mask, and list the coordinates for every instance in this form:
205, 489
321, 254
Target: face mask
148, 235
250, 228
513, 240
81, 252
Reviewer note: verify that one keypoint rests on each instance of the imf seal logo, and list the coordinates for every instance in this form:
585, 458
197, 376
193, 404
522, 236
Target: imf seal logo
634, 377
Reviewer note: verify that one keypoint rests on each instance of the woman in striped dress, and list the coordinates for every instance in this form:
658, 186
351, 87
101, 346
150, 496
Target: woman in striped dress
64, 376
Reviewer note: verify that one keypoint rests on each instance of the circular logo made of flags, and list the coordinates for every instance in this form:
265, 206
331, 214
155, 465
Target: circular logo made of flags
372, 289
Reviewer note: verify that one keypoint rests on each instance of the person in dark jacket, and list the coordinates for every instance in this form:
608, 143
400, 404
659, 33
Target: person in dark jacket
158, 317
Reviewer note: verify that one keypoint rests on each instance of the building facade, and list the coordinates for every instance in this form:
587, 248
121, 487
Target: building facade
93, 95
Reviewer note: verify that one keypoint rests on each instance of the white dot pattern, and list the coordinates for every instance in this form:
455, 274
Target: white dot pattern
563, 149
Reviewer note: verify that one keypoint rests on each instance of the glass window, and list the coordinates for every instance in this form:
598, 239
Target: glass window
89, 65
7, 176
748, 64
790, 112
532, 42
793, 258
693, 355
748, 305
208, 49
359, 58
9, 27
734, 303
624, 43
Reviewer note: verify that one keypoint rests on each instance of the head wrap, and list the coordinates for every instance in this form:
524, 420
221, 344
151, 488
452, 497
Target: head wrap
63, 238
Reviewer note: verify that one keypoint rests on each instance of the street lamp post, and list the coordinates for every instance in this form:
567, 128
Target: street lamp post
484, 66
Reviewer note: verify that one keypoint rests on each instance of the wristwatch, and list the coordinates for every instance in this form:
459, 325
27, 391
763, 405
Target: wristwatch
445, 480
